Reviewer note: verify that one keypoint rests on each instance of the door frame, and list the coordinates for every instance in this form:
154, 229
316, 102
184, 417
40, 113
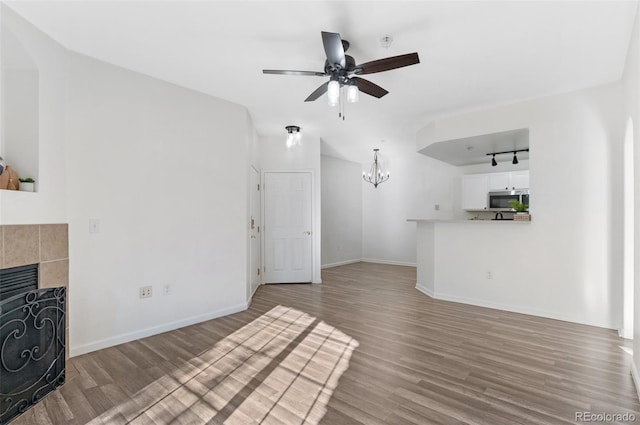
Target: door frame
258, 175
315, 229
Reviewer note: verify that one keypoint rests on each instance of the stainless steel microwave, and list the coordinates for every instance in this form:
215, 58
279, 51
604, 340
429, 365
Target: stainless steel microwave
501, 200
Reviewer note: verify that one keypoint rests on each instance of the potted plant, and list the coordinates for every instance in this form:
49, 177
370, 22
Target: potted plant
28, 185
522, 210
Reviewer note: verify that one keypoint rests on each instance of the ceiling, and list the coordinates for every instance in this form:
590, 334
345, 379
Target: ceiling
474, 150
473, 54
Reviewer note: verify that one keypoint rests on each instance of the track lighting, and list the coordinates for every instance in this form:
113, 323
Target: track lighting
515, 156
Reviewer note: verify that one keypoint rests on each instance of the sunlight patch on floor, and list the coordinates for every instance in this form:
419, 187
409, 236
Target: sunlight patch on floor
282, 368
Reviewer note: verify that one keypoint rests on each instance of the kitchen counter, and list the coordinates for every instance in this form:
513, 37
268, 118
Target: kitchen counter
461, 220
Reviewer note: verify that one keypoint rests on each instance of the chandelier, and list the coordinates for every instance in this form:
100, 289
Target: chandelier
376, 174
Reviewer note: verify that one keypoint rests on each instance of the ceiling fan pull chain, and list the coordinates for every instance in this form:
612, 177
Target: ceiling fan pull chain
341, 114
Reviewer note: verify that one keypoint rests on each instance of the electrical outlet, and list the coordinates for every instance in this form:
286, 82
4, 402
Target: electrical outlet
166, 290
489, 275
146, 291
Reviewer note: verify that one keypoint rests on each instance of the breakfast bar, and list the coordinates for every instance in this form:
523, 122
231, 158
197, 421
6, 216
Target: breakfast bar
475, 262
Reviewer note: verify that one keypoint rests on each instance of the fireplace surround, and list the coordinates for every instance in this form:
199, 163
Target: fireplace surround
34, 274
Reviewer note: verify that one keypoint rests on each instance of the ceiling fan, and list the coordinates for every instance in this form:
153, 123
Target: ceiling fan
343, 71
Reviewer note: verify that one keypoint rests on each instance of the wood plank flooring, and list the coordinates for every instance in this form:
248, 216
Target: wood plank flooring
365, 347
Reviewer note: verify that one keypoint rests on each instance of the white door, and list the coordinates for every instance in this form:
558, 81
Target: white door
254, 230
287, 227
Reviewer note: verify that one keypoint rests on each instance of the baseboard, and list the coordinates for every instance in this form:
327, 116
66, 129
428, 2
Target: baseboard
520, 309
623, 333
424, 290
252, 294
131, 336
390, 262
340, 263
367, 260
636, 377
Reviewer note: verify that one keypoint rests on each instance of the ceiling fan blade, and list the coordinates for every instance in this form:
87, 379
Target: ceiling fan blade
333, 48
369, 88
387, 64
288, 72
317, 92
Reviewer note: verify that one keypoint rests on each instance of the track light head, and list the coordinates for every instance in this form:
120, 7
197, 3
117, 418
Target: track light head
493, 161
515, 159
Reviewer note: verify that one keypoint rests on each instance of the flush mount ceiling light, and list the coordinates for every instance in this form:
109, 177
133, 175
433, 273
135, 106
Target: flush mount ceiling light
293, 135
376, 174
514, 152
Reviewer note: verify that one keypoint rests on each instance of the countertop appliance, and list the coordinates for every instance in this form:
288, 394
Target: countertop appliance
501, 200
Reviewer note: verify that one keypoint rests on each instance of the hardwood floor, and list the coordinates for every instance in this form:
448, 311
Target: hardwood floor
365, 347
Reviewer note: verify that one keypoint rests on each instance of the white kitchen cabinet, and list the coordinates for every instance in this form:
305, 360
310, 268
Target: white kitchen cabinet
499, 181
509, 180
520, 179
476, 186
474, 191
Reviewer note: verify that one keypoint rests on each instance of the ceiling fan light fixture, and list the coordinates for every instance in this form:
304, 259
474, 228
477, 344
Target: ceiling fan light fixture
333, 92
342, 70
353, 93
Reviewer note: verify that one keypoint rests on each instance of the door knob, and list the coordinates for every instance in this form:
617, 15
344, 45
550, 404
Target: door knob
306, 233
253, 236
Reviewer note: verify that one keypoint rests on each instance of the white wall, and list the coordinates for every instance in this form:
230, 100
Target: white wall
21, 120
275, 156
416, 185
341, 211
631, 90
568, 246
504, 166
164, 169
48, 205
